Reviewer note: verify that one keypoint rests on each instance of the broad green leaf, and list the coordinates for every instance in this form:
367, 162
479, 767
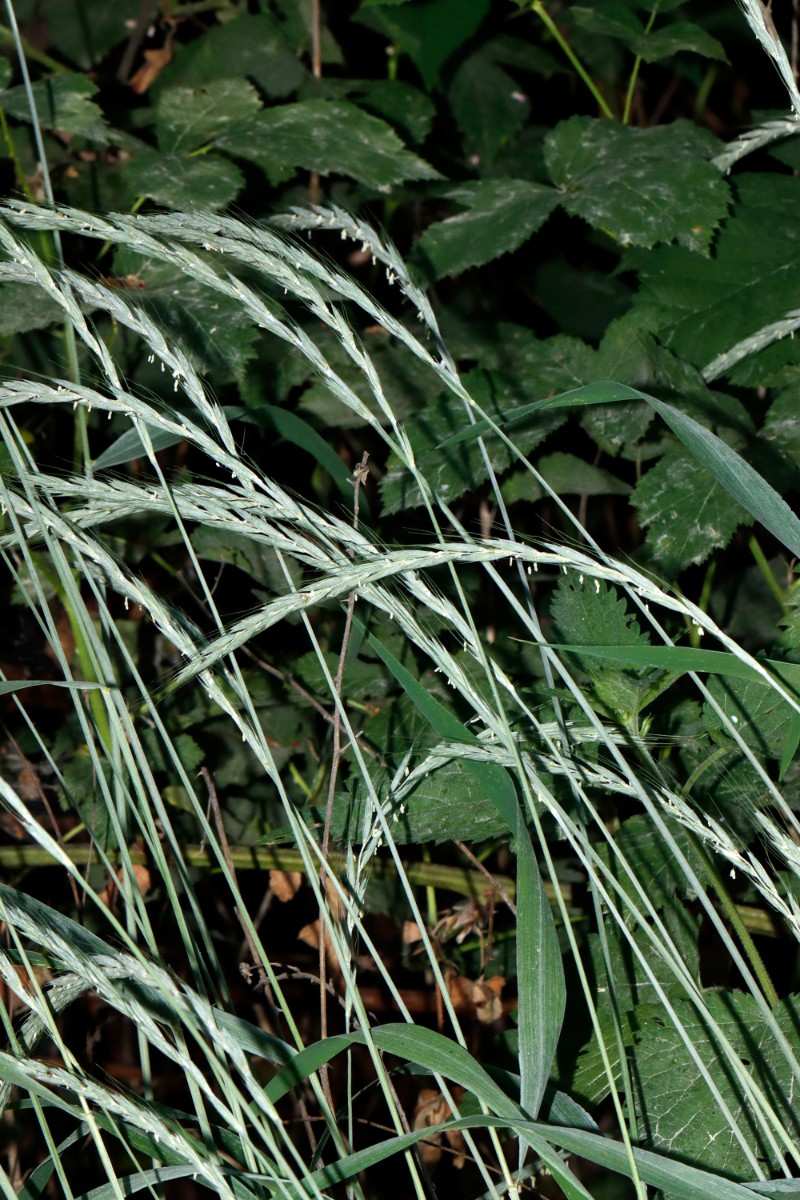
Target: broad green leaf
448, 801
541, 986
703, 306
428, 33
488, 105
589, 611
569, 475
643, 186
63, 103
500, 215
24, 307
251, 45
190, 117
177, 181
86, 39
736, 475
680, 36
405, 107
759, 714
674, 1106
615, 19
687, 514
309, 134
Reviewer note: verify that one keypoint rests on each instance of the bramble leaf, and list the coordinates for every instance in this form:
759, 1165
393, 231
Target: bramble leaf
500, 215
309, 134
614, 177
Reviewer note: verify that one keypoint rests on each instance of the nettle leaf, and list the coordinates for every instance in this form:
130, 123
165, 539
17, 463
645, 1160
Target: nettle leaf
488, 106
63, 103
429, 34
176, 181
654, 864
501, 215
254, 43
190, 117
702, 307
686, 512
675, 1109
593, 613
642, 186
329, 136
455, 469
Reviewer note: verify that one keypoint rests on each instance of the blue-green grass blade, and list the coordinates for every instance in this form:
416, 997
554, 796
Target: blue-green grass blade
680, 1181
541, 986
680, 659
730, 470
130, 446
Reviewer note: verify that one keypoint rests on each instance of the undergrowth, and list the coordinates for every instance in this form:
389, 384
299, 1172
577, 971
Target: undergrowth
377, 680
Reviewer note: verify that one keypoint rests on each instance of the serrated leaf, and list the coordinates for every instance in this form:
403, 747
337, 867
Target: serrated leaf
686, 512
705, 306
190, 117
399, 103
676, 1110
176, 181
448, 801
329, 136
488, 106
252, 44
759, 714
585, 612
500, 215
63, 103
615, 19
451, 471
643, 186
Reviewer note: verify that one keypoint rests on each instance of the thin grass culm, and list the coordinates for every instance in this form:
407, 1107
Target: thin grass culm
268, 1104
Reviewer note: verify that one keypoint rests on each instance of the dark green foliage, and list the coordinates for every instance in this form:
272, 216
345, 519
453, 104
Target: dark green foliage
553, 176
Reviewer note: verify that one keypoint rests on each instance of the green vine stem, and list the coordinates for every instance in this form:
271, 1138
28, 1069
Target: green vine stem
558, 36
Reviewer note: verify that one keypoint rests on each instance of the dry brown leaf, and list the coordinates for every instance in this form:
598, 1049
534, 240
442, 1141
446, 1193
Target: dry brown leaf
411, 933
432, 1109
481, 998
154, 63
285, 884
143, 880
